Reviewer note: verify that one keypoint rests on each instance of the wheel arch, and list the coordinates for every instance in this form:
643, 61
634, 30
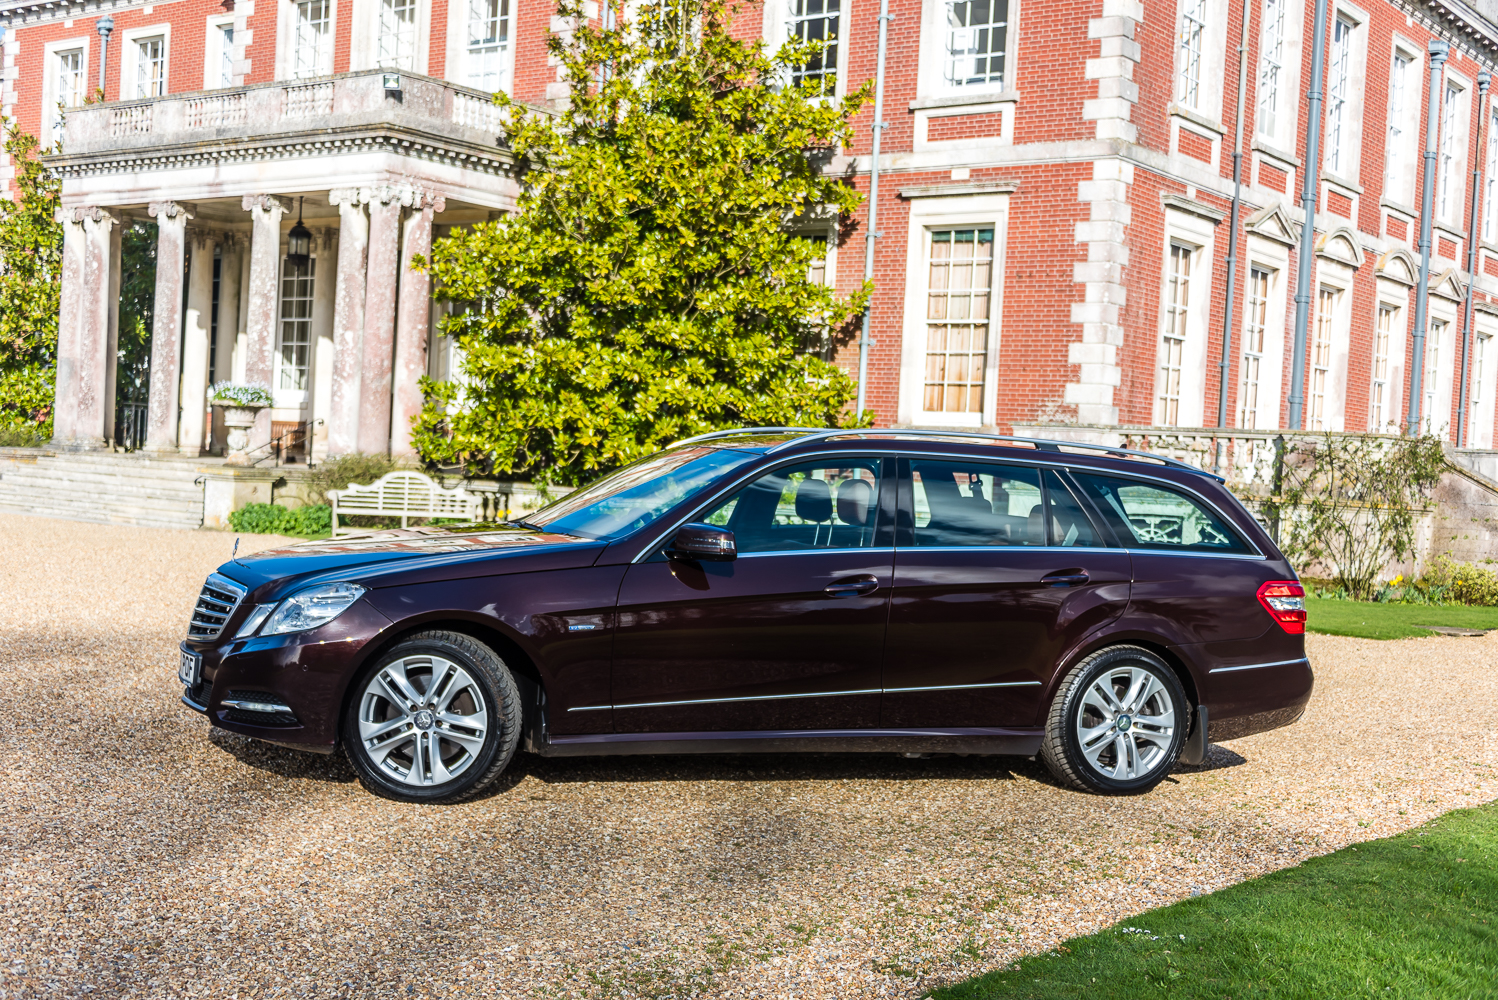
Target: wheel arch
1097, 644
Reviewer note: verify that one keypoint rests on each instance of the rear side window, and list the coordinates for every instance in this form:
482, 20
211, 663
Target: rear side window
975, 503
1150, 516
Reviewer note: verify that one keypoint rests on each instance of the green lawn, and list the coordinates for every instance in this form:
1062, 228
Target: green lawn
1410, 916
1390, 621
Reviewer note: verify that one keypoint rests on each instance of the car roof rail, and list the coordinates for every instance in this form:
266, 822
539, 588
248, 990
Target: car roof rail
742, 431
1039, 444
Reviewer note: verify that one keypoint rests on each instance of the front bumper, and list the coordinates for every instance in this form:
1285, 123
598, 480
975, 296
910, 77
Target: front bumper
308, 672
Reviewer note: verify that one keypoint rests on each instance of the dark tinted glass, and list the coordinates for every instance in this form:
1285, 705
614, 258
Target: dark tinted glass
1069, 524
1152, 516
815, 505
976, 503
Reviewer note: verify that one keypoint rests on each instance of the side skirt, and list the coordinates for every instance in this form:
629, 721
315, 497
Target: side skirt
1009, 742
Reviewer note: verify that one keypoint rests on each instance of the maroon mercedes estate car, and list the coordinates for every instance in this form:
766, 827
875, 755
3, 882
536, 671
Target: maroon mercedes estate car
778, 589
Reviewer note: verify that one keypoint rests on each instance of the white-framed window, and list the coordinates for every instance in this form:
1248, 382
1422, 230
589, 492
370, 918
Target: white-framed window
150, 66
1189, 42
71, 85
1450, 181
1327, 301
976, 43
1338, 81
64, 84
1379, 414
1174, 333
397, 41
1272, 77
1479, 378
1431, 378
959, 283
312, 43
1254, 322
1490, 195
294, 336
1398, 153
488, 48
225, 55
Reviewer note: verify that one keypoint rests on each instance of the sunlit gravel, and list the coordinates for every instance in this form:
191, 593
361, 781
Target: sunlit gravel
144, 855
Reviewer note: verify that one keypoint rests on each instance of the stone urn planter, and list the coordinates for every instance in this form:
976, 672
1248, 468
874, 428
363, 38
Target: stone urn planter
238, 406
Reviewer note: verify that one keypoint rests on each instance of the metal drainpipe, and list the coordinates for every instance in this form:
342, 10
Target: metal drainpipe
104, 26
1308, 189
1484, 80
1438, 50
1228, 313
865, 341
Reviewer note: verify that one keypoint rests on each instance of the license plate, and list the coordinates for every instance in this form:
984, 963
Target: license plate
190, 668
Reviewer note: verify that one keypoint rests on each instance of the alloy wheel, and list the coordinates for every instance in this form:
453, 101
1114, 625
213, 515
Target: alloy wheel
1125, 723
422, 720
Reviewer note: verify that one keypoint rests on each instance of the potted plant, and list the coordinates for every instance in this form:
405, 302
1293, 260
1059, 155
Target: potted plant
237, 405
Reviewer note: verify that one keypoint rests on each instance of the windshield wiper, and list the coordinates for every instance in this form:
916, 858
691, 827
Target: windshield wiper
527, 524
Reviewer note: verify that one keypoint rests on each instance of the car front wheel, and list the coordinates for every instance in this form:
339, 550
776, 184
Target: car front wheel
435, 719
1117, 724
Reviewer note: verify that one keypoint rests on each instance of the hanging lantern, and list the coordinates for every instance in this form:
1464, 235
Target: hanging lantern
299, 243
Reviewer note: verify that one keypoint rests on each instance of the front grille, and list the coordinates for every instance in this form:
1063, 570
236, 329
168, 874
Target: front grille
216, 603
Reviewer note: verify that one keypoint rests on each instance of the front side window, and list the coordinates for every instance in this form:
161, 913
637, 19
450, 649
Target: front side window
398, 34
816, 21
960, 279
1399, 152
488, 44
977, 36
1173, 336
1271, 67
1379, 395
827, 504
1152, 516
1338, 80
1253, 347
1321, 357
293, 355
150, 67
637, 494
1189, 53
313, 54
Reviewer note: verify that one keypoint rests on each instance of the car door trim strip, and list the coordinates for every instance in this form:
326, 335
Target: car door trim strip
1256, 666
785, 697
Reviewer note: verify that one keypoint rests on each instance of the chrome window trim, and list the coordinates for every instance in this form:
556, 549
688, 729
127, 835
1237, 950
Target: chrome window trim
1256, 666
813, 694
815, 552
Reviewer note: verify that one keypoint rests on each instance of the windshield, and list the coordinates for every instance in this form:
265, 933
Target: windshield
637, 494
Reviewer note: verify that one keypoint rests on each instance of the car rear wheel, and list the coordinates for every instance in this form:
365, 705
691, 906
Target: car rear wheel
435, 719
1117, 724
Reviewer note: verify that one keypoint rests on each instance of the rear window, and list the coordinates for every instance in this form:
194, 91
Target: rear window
1151, 516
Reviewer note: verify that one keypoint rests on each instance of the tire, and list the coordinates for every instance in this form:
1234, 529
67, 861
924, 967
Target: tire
414, 744
1130, 745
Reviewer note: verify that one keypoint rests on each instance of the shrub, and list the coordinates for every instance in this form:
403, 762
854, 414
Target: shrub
338, 473
273, 519
20, 436
1460, 583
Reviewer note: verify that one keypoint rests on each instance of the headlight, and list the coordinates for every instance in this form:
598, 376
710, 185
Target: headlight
313, 607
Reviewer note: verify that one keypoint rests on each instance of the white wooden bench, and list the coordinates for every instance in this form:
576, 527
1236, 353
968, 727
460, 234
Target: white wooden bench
404, 495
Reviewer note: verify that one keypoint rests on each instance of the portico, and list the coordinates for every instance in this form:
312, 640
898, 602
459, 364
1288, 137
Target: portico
342, 341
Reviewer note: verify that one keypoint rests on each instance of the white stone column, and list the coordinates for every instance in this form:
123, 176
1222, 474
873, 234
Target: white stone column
382, 278
112, 352
193, 424
348, 323
241, 338
324, 291
84, 365
413, 320
166, 329
230, 249
264, 294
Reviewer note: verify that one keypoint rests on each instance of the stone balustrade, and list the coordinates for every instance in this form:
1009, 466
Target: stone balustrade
337, 106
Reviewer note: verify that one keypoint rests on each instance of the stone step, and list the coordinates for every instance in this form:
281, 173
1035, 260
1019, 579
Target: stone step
146, 517
95, 487
172, 505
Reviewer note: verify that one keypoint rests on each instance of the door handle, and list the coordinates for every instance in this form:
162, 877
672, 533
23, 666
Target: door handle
1066, 578
852, 586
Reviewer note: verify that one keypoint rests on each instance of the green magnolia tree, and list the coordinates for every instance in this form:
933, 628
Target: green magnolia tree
30, 291
655, 282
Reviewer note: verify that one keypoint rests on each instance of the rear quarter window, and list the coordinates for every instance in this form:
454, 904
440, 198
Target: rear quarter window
1154, 516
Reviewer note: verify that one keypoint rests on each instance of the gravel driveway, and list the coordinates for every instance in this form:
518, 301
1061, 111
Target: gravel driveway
142, 854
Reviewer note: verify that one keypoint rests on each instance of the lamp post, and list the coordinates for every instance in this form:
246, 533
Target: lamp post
105, 27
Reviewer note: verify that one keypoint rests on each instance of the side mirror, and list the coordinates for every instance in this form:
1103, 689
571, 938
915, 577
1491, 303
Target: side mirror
704, 542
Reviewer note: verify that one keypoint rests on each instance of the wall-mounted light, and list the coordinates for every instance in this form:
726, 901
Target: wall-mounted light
299, 242
392, 81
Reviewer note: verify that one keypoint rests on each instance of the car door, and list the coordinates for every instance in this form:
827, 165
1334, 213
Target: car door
998, 571
787, 636
1195, 577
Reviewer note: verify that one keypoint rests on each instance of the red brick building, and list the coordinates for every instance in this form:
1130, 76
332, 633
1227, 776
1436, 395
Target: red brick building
1055, 201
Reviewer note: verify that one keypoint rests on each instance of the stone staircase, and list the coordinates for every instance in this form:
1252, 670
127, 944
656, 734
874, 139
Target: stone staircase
103, 487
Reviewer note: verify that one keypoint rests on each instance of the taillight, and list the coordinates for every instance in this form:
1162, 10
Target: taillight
1285, 600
